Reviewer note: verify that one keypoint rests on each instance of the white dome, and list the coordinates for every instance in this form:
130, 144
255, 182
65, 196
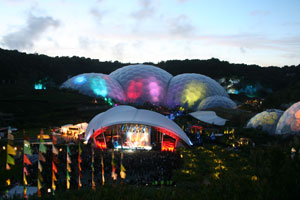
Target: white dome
289, 122
190, 89
129, 114
143, 83
216, 101
96, 85
266, 120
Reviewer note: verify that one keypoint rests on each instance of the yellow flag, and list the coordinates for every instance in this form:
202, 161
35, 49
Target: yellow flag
68, 168
123, 174
53, 186
25, 180
11, 150
53, 176
8, 182
39, 184
68, 184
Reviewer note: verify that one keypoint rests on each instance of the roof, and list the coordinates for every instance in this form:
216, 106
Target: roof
129, 114
209, 117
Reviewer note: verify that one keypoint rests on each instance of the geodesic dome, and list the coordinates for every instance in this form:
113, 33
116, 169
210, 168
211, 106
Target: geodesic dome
266, 120
96, 85
289, 122
189, 90
143, 83
216, 101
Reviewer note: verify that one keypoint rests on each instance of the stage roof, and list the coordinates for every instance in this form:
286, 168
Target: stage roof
129, 114
209, 117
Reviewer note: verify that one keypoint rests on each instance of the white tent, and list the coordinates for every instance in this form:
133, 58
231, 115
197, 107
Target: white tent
209, 117
129, 114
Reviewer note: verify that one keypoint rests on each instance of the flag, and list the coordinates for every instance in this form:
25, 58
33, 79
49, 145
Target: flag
41, 157
10, 136
27, 149
54, 167
122, 174
10, 160
25, 193
79, 183
114, 175
54, 150
53, 176
68, 176
11, 150
26, 160
40, 166
68, 150
24, 179
8, 182
79, 159
42, 147
25, 171
54, 140
7, 167
68, 159
39, 184
80, 150
68, 184
40, 178
68, 168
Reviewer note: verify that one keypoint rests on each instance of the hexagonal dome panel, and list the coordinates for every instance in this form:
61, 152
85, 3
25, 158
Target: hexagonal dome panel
96, 85
189, 90
216, 101
266, 120
289, 122
143, 83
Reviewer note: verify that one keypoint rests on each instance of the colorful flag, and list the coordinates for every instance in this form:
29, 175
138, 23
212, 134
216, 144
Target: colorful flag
54, 140
7, 167
41, 157
68, 159
8, 182
53, 176
27, 148
42, 147
68, 150
25, 171
68, 176
40, 166
26, 160
40, 178
122, 172
10, 160
54, 167
39, 184
11, 150
25, 180
54, 150
68, 168
68, 184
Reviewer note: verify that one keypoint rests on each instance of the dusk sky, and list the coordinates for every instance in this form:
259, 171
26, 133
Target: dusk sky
263, 32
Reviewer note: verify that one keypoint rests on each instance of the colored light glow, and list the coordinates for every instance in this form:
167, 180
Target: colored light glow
98, 85
79, 80
295, 126
193, 93
134, 90
297, 114
154, 89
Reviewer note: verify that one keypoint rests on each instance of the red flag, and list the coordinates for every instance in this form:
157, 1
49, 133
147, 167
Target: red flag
54, 139
25, 171
54, 167
26, 160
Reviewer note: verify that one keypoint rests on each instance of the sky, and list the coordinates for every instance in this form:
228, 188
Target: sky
262, 32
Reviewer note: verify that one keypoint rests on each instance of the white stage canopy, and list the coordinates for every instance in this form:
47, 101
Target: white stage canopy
209, 117
131, 115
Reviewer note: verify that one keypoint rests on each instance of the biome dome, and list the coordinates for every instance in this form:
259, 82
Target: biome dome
190, 89
266, 120
139, 84
143, 83
289, 122
216, 101
96, 85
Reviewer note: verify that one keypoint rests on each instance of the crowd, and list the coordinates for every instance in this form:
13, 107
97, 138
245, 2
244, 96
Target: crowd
142, 167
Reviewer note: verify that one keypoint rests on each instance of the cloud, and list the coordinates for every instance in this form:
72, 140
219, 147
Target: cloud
118, 51
146, 10
25, 37
180, 26
182, 1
